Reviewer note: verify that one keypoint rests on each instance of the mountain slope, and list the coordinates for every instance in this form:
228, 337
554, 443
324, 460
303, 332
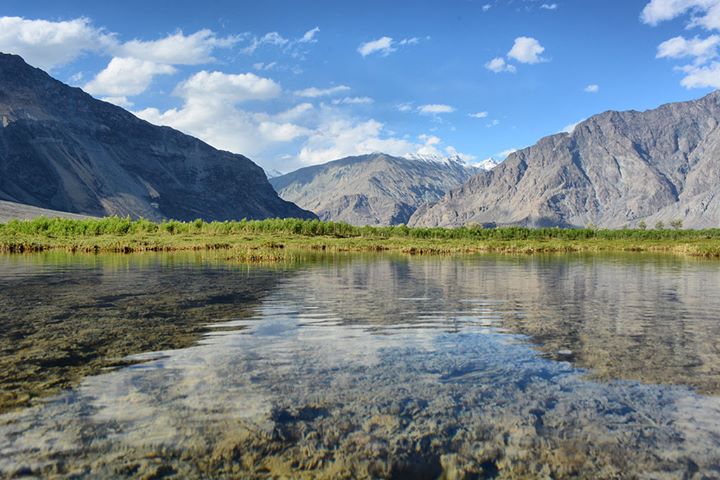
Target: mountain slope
61, 149
374, 189
17, 211
614, 169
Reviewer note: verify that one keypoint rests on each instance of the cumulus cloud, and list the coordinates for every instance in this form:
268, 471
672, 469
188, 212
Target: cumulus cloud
282, 132
706, 76
218, 86
703, 71
314, 92
47, 44
526, 50
705, 13
126, 76
680, 47
499, 64
177, 48
210, 111
549, 6
592, 88
339, 137
478, 115
434, 109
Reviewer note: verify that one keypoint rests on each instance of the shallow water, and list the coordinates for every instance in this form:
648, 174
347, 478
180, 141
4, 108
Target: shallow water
360, 366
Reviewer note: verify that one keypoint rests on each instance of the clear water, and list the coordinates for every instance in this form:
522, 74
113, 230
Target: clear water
347, 367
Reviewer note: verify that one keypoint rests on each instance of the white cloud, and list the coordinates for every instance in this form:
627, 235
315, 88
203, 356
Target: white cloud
176, 49
429, 140
409, 41
680, 47
478, 115
210, 112
119, 101
405, 107
293, 114
705, 13
526, 50
353, 101
126, 76
498, 65
549, 6
339, 137
309, 36
493, 123
47, 44
434, 109
265, 66
701, 76
703, 71
271, 38
486, 7
571, 128
592, 88
282, 132
314, 92
218, 86
505, 153
383, 46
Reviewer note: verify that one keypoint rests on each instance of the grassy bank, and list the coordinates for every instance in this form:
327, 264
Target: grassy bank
287, 239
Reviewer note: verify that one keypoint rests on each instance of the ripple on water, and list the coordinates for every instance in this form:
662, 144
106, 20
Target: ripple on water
560, 366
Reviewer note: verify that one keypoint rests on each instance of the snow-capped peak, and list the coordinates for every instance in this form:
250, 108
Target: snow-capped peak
487, 164
434, 158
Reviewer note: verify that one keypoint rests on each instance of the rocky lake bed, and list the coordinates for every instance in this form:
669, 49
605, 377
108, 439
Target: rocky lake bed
360, 366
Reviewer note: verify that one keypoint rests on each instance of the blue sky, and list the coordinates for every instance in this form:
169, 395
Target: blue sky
291, 83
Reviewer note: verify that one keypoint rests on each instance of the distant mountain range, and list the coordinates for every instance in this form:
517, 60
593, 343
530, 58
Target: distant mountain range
60, 149
63, 151
612, 170
375, 189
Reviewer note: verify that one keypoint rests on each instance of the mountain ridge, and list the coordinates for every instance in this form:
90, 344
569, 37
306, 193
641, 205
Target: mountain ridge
372, 189
614, 169
63, 150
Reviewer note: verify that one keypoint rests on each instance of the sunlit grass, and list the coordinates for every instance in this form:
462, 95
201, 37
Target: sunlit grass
285, 239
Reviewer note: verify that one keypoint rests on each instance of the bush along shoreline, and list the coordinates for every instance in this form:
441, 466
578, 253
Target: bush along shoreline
285, 239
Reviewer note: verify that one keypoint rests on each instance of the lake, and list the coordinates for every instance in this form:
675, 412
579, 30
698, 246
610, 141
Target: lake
360, 366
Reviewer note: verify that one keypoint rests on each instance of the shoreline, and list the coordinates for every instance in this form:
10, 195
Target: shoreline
289, 239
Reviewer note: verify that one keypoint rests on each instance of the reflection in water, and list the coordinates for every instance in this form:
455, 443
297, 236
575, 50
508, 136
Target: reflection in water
388, 367
65, 317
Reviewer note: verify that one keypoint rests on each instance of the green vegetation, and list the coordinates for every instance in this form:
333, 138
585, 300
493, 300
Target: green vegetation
283, 239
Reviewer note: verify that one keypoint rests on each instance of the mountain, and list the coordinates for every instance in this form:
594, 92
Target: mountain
11, 211
488, 164
614, 169
374, 189
61, 149
272, 173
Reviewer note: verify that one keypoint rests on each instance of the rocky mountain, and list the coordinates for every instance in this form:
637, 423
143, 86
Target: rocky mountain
374, 189
61, 149
614, 169
18, 211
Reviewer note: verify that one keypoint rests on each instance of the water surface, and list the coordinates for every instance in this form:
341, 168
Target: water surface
357, 366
